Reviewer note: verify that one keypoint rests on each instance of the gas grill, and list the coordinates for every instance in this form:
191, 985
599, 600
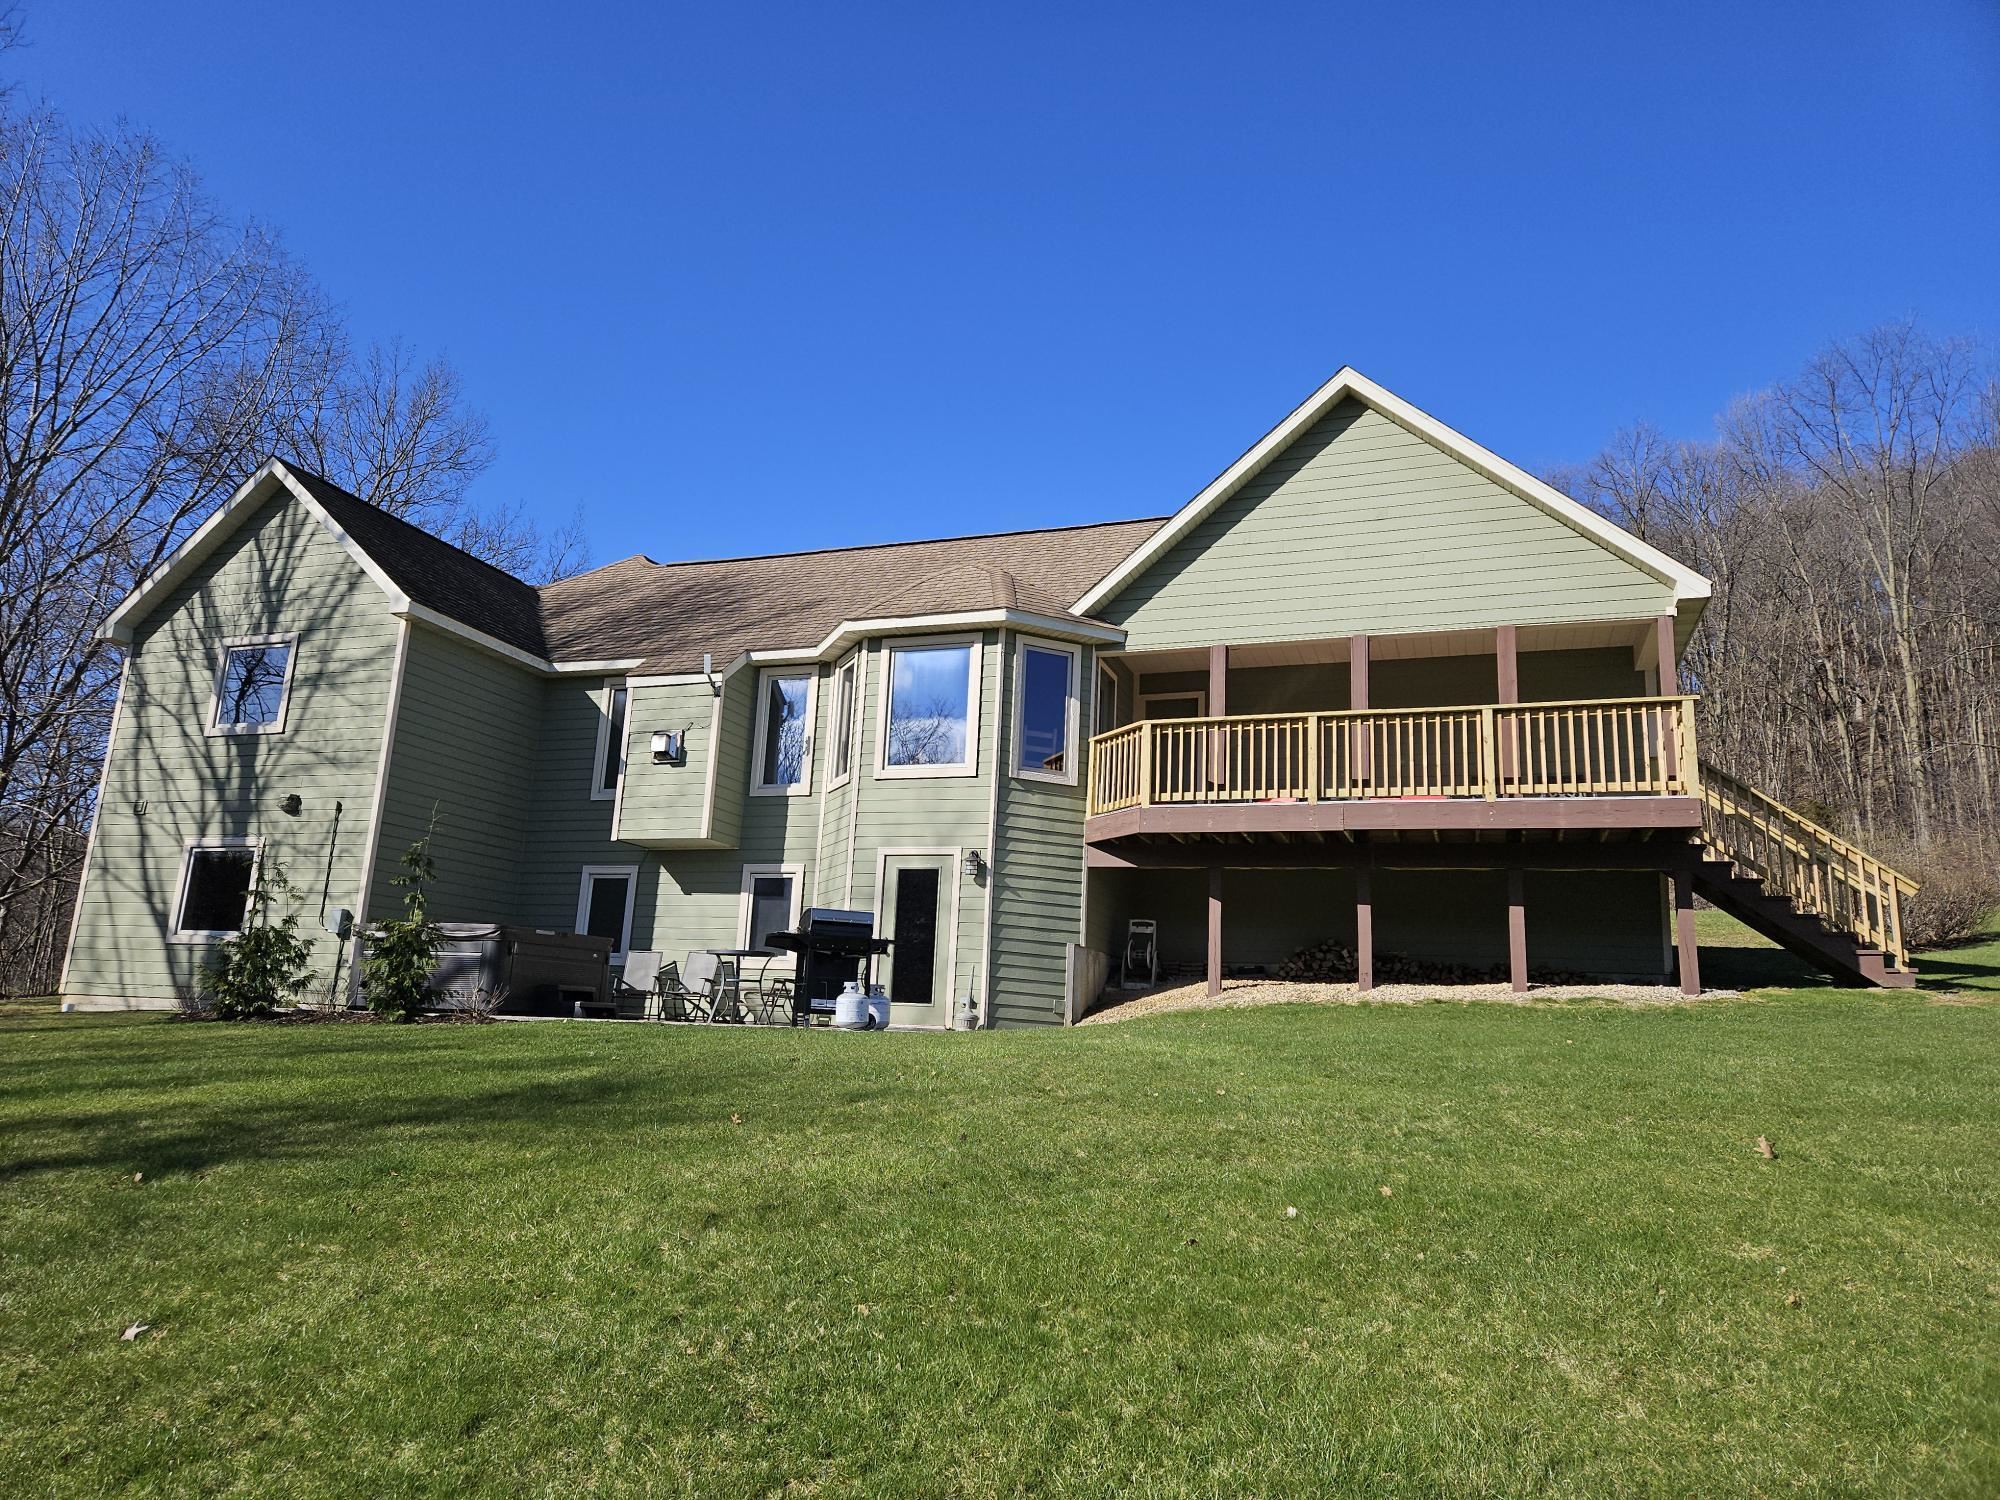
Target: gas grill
834, 947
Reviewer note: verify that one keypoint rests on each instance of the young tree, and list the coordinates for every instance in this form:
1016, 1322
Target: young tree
396, 976
266, 965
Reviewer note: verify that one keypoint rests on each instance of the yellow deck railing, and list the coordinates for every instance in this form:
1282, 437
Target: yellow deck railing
1587, 747
1818, 871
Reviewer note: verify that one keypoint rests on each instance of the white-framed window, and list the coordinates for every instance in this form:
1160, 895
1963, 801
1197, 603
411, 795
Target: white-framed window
604, 899
212, 896
1105, 710
770, 903
253, 684
846, 676
1045, 709
784, 742
929, 708
608, 764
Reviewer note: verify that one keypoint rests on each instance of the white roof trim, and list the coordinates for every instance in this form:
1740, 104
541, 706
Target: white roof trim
847, 632
119, 625
1685, 582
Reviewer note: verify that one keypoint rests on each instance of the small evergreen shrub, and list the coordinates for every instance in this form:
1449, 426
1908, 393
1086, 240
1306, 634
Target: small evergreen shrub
396, 977
264, 966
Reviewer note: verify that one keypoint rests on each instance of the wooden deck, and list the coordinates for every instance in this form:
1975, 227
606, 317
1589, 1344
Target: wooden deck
1428, 763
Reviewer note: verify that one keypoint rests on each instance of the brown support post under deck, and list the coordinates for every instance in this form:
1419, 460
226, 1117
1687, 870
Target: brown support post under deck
1667, 672
1517, 928
1364, 927
1684, 939
1215, 929
1507, 661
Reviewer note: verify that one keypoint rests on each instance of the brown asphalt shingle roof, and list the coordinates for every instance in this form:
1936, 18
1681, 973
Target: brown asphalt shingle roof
431, 571
669, 614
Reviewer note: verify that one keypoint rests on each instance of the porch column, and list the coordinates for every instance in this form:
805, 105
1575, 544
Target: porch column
1215, 929
1357, 697
1218, 681
1508, 671
1517, 928
1684, 939
1364, 926
1667, 670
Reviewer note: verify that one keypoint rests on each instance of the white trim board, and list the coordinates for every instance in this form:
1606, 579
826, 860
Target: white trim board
1347, 381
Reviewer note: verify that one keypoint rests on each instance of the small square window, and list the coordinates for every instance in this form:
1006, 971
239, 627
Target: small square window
250, 687
215, 892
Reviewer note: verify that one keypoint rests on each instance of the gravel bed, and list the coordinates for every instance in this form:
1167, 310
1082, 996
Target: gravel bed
1242, 992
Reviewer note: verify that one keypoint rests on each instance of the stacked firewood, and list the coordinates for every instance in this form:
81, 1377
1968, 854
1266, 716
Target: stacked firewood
1334, 962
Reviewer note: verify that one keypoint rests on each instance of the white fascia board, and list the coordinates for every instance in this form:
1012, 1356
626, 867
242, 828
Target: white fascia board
1347, 381
493, 645
849, 631
611, 666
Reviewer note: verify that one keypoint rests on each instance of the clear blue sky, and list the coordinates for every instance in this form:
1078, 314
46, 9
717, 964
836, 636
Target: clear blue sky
743, 278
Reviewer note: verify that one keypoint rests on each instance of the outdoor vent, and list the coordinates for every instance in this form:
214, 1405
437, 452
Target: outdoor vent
669, 747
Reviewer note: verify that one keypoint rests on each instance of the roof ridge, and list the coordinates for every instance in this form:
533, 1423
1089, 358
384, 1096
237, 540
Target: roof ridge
922, 541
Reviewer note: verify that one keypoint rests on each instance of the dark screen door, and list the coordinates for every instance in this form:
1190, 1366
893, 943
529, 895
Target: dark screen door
913, 976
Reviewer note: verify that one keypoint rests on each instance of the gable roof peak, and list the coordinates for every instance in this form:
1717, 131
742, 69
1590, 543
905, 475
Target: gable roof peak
1349, 383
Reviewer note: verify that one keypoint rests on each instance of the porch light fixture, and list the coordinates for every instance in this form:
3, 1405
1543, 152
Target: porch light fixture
974, 863
669, 747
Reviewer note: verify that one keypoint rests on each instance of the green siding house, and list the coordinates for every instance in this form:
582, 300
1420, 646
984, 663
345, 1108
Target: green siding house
1373, 685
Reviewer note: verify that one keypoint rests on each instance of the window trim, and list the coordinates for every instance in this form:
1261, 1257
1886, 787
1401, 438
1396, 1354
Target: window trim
1107, 692
848, 667
602, 699
287, 639
803, 786
970, 765
746, 897
589, 873
1072, 699
189, 847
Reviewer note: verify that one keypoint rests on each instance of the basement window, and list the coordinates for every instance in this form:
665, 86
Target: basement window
216, 877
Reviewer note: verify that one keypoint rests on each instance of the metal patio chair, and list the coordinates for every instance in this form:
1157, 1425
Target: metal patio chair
637, 980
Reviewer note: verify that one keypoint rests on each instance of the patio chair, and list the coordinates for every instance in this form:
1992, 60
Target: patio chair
637, 980
678, 1001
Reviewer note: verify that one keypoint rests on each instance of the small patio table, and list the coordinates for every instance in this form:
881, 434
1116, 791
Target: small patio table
729, 979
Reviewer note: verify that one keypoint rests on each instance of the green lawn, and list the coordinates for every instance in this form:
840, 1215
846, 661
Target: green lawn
559, 1259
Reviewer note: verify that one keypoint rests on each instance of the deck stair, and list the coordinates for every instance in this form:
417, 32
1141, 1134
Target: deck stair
1806, 889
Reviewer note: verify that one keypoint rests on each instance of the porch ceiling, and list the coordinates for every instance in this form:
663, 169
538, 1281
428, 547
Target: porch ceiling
1570, 637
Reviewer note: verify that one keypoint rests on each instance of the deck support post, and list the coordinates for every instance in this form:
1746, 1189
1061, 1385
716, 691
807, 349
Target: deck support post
1214, 930
1507, 674
1218, 681
1517, 927
1688, 949
1666, 670
1364, 927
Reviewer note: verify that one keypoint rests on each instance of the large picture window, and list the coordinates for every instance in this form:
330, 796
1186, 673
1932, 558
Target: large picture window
784, 733
252, 681
216, 878
930, 709
1045, 711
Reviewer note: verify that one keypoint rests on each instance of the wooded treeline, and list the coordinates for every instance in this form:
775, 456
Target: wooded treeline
1849, 517
153, 353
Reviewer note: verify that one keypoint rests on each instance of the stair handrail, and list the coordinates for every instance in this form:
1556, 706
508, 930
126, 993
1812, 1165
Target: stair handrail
1856, 872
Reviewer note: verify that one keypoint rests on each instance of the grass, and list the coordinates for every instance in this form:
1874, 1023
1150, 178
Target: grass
559, 1259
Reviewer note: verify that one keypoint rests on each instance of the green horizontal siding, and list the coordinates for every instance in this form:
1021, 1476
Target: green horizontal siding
167, 781
1360, 526
463, 772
